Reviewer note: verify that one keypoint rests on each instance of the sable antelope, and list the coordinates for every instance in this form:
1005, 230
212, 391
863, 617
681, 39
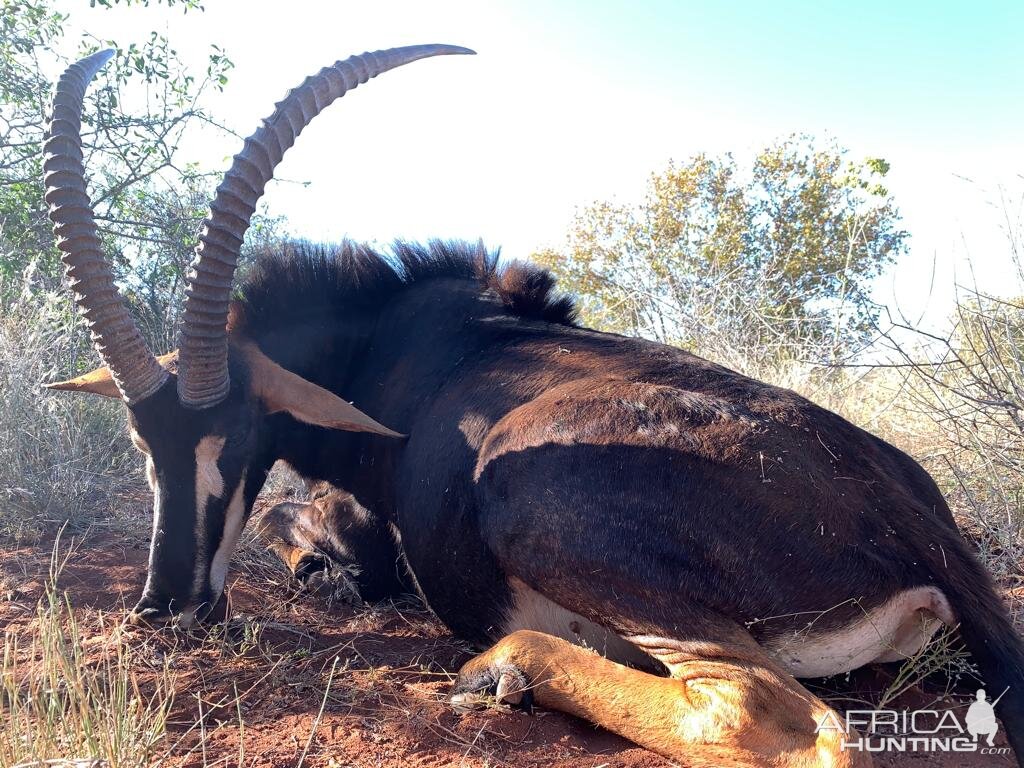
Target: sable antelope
558, 491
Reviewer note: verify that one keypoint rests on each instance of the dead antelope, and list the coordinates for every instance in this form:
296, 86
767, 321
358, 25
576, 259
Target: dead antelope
557, 491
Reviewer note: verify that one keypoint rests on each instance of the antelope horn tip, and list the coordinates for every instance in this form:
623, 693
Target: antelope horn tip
459, 50
96, 61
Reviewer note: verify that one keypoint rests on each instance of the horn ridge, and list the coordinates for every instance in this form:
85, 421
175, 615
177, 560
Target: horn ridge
135, 371
203, 366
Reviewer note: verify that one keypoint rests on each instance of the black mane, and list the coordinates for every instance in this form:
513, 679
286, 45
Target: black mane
291, 283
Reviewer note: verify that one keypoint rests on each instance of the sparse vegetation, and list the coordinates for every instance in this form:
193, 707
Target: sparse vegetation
59, 701
969, 387
62, 460
768, 275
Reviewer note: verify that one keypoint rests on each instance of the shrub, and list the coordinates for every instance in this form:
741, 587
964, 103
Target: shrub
63, 457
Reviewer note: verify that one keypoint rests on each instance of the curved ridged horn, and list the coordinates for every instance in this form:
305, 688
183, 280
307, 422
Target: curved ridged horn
203, 364
116, 337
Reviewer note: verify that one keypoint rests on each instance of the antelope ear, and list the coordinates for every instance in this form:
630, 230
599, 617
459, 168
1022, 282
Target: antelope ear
281, 390
100, 382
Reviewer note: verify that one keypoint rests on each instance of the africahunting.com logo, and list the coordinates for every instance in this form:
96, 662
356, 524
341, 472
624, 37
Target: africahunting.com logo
922, 730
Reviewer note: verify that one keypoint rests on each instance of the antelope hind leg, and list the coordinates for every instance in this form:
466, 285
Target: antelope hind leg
712, 712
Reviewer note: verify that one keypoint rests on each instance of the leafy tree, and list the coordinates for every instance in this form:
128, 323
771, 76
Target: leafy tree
135, 116
752, 263
148, 202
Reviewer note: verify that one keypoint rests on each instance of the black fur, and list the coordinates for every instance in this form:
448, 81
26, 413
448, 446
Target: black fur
299, 283
171, 433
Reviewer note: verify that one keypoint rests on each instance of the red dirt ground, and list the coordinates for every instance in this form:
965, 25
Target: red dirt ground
386, 705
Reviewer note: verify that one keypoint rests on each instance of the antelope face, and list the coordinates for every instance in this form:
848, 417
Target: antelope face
201, 466
206, 465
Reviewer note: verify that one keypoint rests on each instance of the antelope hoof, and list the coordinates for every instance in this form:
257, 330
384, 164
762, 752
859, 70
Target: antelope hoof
506, 685
310, 569
493, 678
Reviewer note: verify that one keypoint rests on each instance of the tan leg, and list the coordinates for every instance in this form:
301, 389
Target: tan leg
716, 711
302, 563
334, 543
284, 531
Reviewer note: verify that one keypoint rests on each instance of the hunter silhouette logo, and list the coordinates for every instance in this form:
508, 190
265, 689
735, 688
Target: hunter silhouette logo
924, 730
981, 717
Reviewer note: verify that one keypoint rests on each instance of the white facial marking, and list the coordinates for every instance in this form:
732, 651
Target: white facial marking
234, 518
208, 479
209, 484
138, 442
158, 521
151, 474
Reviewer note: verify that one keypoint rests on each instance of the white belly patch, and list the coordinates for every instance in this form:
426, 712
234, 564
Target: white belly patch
892, 631
531, 610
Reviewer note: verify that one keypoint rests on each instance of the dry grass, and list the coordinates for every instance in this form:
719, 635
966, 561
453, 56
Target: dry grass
62, 705
63, 458
80, 688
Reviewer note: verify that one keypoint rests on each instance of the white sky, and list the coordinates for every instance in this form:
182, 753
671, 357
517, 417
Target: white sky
571, 102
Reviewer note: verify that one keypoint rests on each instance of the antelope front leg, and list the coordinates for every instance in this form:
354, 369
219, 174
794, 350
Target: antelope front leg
286, 530
722, 714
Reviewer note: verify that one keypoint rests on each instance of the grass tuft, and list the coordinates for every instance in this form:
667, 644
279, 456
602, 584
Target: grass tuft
62, 705
64, 457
